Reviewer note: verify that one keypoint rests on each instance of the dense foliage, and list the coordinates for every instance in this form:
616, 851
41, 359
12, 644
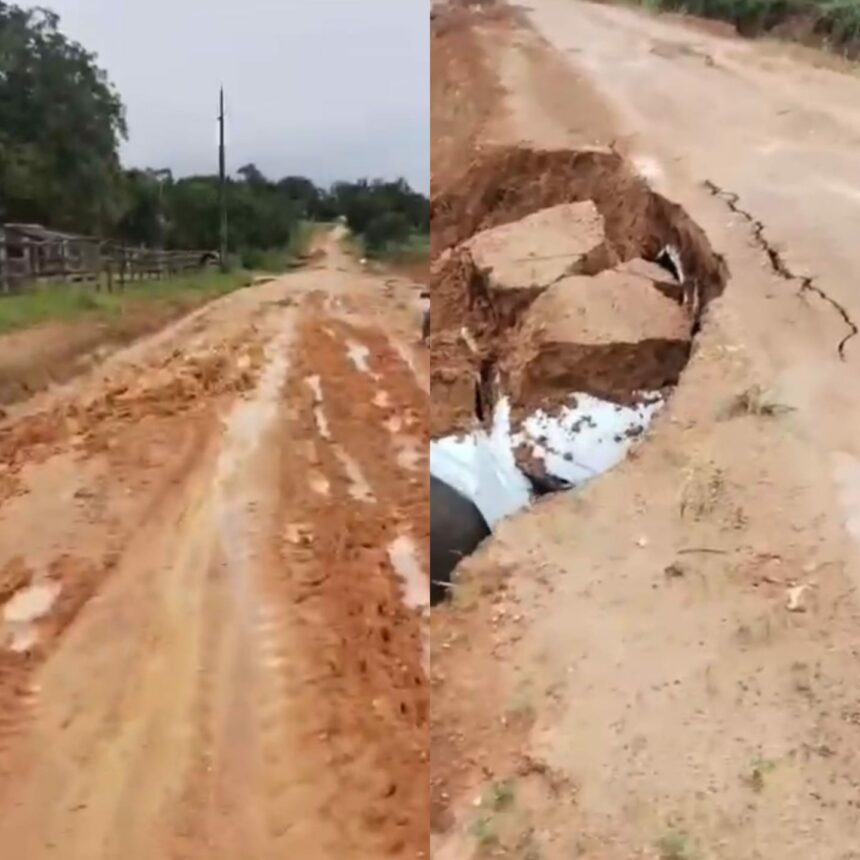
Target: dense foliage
835, 23
61, 123
183, 213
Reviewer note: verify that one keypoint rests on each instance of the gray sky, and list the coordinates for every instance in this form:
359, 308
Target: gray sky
329, 89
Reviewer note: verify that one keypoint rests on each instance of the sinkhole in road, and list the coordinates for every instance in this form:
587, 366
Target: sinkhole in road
565, 298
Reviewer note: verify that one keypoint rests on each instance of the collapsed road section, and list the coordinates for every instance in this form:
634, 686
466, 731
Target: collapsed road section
566, 295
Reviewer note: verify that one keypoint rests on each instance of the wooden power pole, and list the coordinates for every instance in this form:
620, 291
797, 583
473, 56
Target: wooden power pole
222, 185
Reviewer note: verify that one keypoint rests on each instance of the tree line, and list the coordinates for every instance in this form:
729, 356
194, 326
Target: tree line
61, 125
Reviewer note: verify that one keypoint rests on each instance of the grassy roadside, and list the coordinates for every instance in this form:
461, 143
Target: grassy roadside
414, 248
167, 298
833, 24
50, 335
409, 258
70, 303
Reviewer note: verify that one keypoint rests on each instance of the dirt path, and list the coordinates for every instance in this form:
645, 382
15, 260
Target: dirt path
664, 664
213, 574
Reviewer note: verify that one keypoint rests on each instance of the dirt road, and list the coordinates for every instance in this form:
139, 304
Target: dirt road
663, 665
213, 578
780, 134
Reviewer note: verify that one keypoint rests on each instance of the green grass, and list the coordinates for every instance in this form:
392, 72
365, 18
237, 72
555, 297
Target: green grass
675, 845
70, 302
835, 22
483, 831
500, 795
415, 247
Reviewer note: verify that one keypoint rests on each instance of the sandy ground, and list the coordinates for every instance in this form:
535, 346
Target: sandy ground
664, 665
213, 567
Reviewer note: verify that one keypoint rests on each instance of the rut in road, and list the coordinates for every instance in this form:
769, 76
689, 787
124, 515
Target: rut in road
235, 664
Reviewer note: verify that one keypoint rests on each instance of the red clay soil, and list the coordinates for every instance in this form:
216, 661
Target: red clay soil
368, 715
465, 92
230, 668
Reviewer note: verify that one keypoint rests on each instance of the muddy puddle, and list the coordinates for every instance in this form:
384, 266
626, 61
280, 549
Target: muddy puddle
22, 612
566, 297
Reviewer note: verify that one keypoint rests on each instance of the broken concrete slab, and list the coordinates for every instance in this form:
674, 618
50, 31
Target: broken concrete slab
541, 248
611, 335
656, 275
612, 307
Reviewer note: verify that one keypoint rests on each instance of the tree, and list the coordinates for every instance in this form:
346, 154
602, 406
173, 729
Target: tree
251, 174
61, 122
145, 219
303, 191
384, 229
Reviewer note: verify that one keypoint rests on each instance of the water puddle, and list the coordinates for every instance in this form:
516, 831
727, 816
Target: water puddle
245, 427
249, 418
313, 382
322, 422
414, 580
31, 603
319, 483
408, 453
393, 424
23, 610
359, 489
358, 354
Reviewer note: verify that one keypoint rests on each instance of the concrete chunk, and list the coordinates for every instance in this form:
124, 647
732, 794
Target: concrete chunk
611, 335
540, 248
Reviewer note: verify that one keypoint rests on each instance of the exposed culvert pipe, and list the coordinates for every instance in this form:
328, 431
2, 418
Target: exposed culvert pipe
456, 530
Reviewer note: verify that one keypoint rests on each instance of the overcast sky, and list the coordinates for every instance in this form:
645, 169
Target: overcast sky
329, 89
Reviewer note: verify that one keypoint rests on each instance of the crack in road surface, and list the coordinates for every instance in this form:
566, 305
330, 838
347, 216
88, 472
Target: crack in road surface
778, 264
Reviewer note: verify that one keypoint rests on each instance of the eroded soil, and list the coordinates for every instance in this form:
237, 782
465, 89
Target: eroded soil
479, 327
232, 517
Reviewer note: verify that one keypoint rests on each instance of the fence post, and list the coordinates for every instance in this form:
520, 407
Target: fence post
4, 272
62, 257
109, 265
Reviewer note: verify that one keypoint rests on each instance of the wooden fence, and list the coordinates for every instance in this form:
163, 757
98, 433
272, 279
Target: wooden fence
29, 258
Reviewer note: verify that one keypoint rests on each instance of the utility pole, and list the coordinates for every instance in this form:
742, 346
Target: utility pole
222, 185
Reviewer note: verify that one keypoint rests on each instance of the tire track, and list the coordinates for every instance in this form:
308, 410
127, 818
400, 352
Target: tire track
345, 659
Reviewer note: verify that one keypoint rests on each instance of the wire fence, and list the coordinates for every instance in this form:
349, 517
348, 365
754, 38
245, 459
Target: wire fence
31, 255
